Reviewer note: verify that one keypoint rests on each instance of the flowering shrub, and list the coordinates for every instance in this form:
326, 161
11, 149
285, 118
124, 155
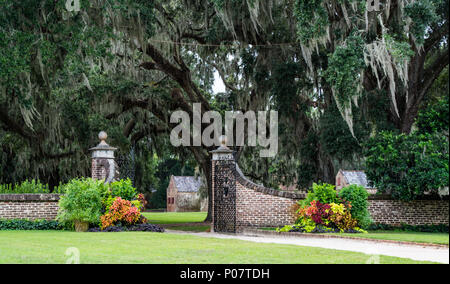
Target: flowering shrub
318, 212
341, 217
324, 218
121, 211
142, 200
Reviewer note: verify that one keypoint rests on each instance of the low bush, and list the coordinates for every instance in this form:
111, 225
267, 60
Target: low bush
122, 212
100, 204
341, 217
143, 202
409, 228
319, 217
357, 196
317, 212
33, 186
82, 201
320, 229
324, 193
133, 228
24, 224
123, 189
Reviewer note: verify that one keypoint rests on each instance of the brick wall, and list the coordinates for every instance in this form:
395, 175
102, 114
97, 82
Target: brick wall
418, 212
238, 202
29, 206
258, 206
255, 208
171, 196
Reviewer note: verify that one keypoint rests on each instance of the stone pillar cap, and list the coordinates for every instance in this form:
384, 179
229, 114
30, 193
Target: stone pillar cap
223, 146
102, 146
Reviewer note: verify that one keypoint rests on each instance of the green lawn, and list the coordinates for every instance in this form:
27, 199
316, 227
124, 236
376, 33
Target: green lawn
196, 228
175, 217
144, 247
417, 237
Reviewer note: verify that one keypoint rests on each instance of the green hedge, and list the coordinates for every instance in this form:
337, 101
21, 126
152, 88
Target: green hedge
409, 228
33, 186
24, 224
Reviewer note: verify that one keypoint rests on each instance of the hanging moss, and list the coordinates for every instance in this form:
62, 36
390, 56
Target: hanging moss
344, 75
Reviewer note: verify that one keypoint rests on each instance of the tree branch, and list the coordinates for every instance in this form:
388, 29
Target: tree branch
10, 125
432, 72
436, 37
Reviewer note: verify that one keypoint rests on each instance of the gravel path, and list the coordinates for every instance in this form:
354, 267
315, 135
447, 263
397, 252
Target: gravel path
371, 248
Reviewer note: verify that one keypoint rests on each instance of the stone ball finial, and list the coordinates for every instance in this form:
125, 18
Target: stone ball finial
223, 140
102, 136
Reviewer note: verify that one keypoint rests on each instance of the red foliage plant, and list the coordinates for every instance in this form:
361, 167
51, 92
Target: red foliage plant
120, 211
318, 212
142, 200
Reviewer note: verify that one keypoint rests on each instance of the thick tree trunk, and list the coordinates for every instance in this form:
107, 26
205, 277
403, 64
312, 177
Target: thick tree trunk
208, 173
408, 119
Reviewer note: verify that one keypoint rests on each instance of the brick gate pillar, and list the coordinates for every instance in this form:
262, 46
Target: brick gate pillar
223, 189
103, 164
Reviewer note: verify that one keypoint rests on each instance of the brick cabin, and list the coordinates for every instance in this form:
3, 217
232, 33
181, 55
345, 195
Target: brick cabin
183, 194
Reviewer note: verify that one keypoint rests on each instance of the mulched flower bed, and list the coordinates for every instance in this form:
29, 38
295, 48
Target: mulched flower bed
133, 228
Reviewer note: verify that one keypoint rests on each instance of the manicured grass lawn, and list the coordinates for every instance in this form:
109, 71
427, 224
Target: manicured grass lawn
144, 247
417, 237
175, 217
198, 217
200, 228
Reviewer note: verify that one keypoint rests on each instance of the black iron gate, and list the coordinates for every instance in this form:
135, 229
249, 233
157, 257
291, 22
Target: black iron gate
127, 165
225, 196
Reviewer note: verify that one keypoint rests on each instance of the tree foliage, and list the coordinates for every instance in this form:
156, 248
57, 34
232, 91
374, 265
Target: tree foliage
124, 65
408, 166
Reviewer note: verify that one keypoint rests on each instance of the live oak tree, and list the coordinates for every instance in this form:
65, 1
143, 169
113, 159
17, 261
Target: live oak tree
335, 72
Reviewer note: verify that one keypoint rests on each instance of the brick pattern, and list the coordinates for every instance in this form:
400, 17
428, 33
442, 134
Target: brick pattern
258, 209
255, 205
224, 198
270, 191
418, 212
177, 201
29, 206
171, 195
100, 168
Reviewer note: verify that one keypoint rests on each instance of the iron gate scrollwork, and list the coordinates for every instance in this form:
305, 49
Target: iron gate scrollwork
225, 196
127, 165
